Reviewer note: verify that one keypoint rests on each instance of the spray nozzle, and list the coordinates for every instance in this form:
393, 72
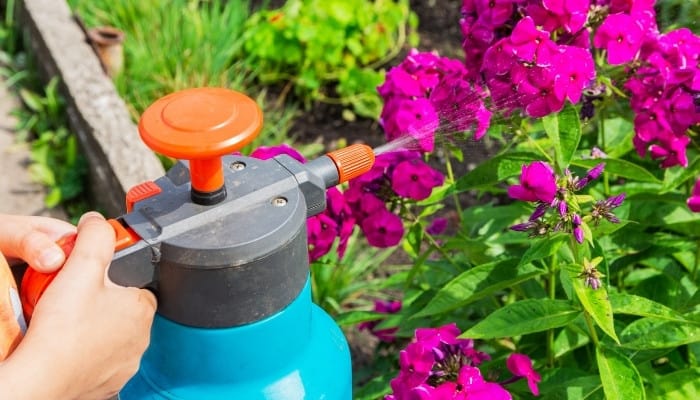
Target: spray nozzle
343, 164
352, 161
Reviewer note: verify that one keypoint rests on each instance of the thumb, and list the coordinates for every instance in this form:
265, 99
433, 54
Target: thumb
93, 250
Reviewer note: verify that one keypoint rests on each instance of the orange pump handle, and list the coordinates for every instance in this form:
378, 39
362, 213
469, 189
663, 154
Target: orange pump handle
201, 125
34, 283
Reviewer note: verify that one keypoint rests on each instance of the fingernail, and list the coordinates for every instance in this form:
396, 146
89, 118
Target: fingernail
91, 214
51, 258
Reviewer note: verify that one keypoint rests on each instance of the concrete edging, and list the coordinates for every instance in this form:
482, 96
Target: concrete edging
109, 139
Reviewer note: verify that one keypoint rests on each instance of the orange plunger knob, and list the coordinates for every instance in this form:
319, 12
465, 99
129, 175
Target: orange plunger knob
201, 125
352, 161
34, 283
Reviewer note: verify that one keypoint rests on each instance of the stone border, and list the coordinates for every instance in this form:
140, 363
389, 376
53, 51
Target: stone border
97, 115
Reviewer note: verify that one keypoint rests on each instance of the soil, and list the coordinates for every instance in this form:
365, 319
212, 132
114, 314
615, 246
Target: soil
438, 31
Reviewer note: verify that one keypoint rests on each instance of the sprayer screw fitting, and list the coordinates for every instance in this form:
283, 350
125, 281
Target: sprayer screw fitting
237, 166
279, 202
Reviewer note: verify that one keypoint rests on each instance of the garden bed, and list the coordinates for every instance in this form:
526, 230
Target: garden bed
587, 270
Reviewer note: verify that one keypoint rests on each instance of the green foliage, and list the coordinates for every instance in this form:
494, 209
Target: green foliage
56, 159
174, 45
329, 50
57, 162
626, 339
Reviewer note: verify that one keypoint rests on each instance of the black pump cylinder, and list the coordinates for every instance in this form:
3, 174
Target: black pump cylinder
231, 263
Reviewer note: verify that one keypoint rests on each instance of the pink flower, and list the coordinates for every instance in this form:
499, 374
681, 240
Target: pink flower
621, 36
694, 199
531, 44
521, 365
553, 14
432, 337
321, 232
672, 152
500, 58
417, 118
459, 101
383, 229
339, 210
471, 385
575, 71
383, 307
437, 226
415, 179
494, 12
538, 90
537, 183
399, 82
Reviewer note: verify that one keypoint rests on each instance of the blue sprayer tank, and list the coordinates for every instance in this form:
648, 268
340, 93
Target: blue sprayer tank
221, 240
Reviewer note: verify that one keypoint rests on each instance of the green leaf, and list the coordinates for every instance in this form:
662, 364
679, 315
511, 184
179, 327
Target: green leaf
568, 340
478, 283
564, 130
523, 317
595, 302
53, 197
649, 333
412, 241
620, 168
624, 303
618, 137
568, 383
355, 317
676, 177
543, 248
495, 170
678, 385
31, 100
620, 377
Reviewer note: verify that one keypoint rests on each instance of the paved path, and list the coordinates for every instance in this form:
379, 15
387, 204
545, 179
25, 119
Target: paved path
18, 194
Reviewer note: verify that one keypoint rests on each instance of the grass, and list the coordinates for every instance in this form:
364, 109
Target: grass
176, 44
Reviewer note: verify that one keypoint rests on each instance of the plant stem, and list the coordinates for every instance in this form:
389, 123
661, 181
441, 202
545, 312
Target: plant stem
601, 141
552, 291
451, 177
589, 323
591, 328
696, 266
439, 248
544, 153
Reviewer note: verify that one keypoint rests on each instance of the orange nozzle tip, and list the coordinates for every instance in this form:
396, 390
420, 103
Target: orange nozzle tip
352, 161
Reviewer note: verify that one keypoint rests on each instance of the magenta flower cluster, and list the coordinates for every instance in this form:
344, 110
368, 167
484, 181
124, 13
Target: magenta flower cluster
437, 364
374, 196
426, 90
664, 90
369, 202
539, 184
532, 55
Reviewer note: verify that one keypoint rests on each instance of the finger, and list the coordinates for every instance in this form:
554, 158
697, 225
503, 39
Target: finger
94, 248
148, 298
54, 228
32, 239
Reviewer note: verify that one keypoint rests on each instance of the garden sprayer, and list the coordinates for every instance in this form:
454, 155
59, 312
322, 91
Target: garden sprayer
221, 240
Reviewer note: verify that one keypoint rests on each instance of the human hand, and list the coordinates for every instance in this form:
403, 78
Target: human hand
33, 239
87, 334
